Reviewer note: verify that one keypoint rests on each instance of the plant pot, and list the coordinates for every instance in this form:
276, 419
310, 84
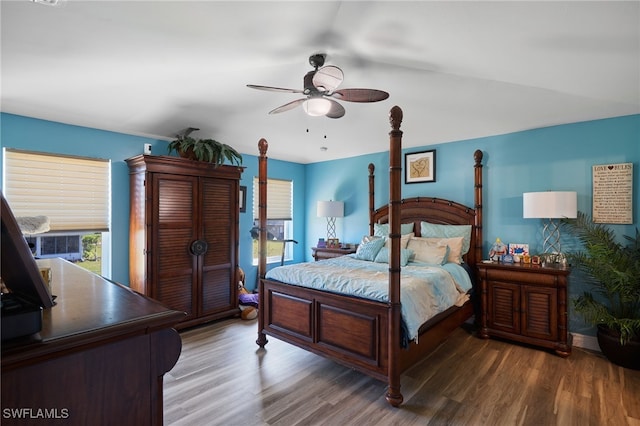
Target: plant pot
189, 154
627, 356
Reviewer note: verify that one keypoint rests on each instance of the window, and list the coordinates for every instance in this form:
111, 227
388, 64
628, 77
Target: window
73, 192
279, 220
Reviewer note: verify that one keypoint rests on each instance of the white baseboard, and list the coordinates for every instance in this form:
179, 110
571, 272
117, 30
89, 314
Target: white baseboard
586, 342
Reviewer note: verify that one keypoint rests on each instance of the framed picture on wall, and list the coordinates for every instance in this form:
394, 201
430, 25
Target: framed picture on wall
420, 167
243, 199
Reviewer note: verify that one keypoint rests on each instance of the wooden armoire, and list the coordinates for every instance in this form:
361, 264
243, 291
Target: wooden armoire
183, 226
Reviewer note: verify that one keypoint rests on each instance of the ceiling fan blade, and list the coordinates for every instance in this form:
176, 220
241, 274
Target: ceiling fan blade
273, 89
336, 110
360, 95
328, 78
288, 106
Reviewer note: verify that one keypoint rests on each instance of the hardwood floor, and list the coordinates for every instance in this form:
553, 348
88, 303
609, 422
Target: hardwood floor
223, 378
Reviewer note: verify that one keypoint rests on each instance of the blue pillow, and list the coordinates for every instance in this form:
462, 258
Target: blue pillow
382, 229
369, 251
383, 256
432, 230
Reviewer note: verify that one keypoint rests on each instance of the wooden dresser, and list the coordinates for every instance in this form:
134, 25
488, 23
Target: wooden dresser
99, 360
526, 303
183, 250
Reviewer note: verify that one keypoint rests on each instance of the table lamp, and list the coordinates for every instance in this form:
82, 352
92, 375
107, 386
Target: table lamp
331, 210
550, 205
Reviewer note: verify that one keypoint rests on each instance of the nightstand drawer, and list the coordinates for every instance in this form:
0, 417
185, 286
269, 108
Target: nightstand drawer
523, 276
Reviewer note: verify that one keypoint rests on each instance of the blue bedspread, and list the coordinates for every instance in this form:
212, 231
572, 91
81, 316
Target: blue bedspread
425, 290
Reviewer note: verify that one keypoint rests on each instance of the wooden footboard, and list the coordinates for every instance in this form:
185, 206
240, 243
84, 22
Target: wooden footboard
349, 330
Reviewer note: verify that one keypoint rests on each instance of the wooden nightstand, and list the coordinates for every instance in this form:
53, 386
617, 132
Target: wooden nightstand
327, 253
526, 303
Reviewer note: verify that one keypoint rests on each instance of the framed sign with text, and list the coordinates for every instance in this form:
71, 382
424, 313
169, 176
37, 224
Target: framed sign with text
613, 193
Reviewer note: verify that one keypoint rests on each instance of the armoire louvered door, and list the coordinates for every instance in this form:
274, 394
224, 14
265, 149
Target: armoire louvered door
217, 264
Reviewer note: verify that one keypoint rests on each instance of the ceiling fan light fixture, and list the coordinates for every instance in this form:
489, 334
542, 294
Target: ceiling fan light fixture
316, 107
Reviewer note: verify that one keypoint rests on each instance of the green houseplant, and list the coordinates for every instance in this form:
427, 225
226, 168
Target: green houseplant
612, 271
208, 150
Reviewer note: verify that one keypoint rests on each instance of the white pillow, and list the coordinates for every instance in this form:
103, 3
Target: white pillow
433, 230
429, 251
455, 247
404, 240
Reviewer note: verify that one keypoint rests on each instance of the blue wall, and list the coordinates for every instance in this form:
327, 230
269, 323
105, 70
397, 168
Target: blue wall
46, 136
552, 158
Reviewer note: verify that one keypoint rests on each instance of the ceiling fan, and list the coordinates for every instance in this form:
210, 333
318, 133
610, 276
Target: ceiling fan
320, 89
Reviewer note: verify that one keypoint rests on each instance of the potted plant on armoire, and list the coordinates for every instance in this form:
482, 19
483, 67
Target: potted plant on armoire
209, 150
612, 274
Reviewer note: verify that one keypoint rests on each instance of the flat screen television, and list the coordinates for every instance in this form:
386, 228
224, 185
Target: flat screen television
18, 268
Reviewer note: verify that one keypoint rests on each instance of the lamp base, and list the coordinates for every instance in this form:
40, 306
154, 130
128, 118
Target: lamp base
551, 237
331, 228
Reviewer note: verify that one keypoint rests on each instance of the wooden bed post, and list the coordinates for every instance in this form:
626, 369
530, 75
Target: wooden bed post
477, 156
262, 233
393, 396
372, 206
481, 295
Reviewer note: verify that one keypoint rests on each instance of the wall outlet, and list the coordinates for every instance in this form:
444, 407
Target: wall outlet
147, 149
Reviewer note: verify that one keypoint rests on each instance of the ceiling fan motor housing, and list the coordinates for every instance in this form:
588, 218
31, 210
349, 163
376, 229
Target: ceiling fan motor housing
317, 60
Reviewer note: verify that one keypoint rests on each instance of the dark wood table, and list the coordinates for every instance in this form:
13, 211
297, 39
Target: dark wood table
99, 359
320, 253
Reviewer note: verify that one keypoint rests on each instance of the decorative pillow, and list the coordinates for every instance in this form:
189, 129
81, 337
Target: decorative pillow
404, 240
432, 230
455, 247
383, 256
369, 250
382, 229
427, 251
368, 238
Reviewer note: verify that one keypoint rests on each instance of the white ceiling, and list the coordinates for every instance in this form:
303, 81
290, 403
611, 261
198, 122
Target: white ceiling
459, 70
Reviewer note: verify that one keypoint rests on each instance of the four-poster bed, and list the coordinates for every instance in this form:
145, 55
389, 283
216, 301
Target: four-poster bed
360, 333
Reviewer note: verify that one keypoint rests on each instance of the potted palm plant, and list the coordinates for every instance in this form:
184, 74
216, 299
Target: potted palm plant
612, 271
208, 150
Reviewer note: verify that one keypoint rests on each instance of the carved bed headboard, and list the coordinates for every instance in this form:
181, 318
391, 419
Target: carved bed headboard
437, 211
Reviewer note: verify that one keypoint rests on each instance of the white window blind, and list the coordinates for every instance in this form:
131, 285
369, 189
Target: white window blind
72, 191
279, 199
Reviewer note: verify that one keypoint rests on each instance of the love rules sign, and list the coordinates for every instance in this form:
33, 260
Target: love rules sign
612, 193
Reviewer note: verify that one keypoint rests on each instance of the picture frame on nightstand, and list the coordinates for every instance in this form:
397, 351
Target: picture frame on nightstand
517, 249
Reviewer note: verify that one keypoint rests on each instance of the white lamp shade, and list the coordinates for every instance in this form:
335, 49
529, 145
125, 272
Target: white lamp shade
330, 209
316, 107
550, 205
